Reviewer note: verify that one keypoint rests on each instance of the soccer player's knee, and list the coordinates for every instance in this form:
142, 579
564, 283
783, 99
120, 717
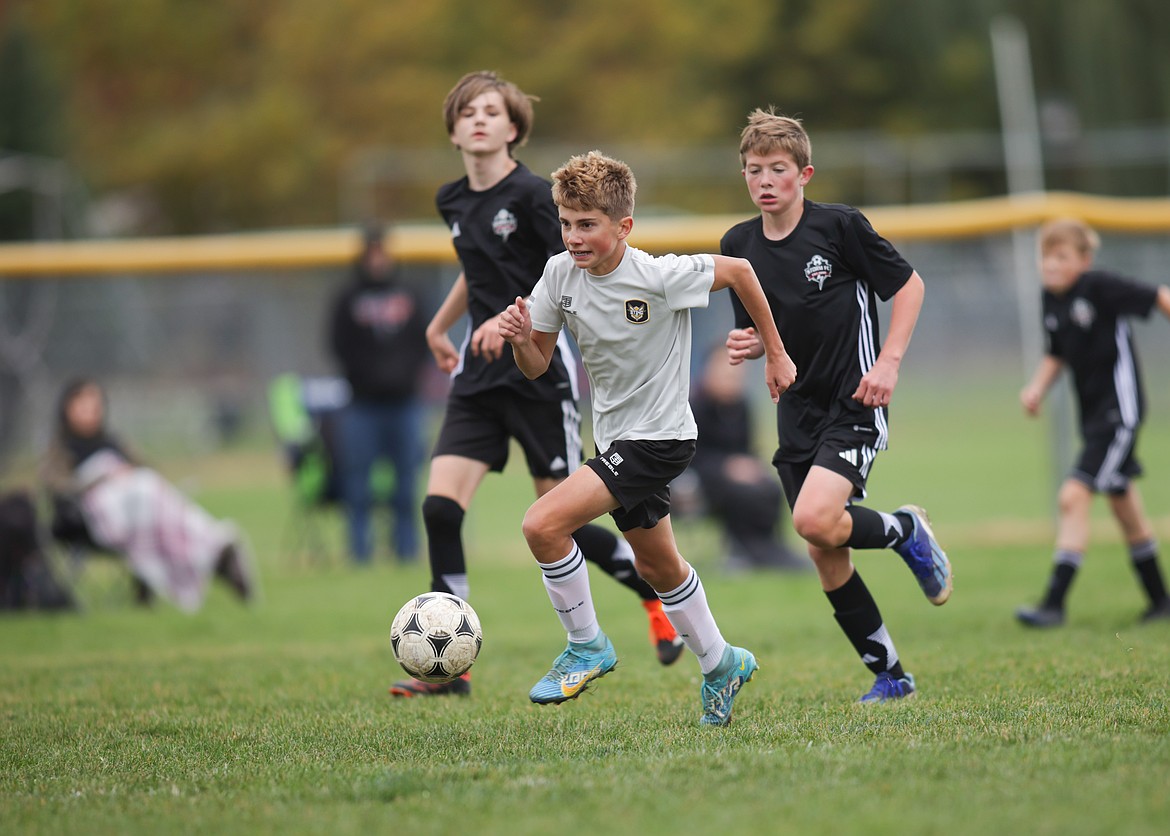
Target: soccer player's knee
537, 527
1074, 498
441, 512
812, 526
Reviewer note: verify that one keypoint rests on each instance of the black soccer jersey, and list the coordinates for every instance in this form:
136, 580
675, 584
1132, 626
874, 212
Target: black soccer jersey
822, 282
1086, 328
503, 237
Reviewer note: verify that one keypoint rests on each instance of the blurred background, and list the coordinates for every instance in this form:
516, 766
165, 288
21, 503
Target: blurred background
175, 119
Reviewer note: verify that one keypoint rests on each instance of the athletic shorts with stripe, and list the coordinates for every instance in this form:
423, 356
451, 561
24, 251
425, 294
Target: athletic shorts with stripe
638, 474
1107, 463
481, 427
843, 449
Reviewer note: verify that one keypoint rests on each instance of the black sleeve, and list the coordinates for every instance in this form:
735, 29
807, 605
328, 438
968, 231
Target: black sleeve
1127, 297
739, 313
873, 257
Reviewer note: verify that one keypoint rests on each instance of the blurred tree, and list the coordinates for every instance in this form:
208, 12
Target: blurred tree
28, 125
245, 115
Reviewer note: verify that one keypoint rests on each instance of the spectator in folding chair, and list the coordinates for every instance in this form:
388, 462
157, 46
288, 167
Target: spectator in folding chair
169, 543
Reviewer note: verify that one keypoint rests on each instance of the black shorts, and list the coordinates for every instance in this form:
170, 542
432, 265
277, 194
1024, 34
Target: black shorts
1107, 462
481, 427
638, 474
841, 450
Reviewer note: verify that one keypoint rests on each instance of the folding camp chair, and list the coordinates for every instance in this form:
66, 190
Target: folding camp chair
305, 413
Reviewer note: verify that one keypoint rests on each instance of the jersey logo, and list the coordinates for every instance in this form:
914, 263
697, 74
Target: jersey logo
818, 270
1082, 313
566, 302
637, 311
504, 224
455, 229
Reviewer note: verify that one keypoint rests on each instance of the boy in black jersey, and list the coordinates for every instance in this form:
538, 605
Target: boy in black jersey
504, 227
1085, 313
823, 267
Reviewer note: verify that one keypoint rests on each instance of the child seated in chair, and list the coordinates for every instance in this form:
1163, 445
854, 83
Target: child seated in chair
169, 543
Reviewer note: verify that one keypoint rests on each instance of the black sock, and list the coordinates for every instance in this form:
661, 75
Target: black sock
875, 530
858, 615
1144, 557
443, 518
1063, 573
600, 547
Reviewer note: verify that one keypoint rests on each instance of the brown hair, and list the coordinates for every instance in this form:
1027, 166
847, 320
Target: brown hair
767, 131
595, 181
472, 85
1082, 237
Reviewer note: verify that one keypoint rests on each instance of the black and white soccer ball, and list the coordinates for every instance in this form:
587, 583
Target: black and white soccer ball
436, 637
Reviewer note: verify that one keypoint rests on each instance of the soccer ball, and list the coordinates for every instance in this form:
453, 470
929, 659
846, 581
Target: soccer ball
436, 637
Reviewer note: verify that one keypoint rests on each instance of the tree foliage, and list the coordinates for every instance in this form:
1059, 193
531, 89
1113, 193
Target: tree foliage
243, 115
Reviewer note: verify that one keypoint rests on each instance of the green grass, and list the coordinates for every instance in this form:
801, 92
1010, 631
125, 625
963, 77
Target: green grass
276, 719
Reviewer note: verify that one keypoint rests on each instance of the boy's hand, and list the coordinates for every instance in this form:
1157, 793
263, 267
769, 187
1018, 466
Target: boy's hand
1031, 397
780, 373
446, 356
515, 324
744, 344
487, 340
877, 386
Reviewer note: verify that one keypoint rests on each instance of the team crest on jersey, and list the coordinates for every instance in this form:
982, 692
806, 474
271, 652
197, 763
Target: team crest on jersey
566, 302
818, 270
637, 311
504, 224
1082, 313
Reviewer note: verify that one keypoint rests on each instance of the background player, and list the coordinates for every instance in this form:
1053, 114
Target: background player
1085, 323
823, 267
504, 228
630, 314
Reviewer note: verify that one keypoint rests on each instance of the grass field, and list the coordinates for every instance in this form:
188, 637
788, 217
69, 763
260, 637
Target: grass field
275, 718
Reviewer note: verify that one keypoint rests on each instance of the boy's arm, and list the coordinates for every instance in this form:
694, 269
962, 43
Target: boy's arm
532, 350
1164, 300
1032, 395
738, 274
451, 311
877, 385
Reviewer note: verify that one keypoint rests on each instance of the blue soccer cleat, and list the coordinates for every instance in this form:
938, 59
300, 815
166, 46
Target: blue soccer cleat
926, 558
574, 669
718, 691
886, 688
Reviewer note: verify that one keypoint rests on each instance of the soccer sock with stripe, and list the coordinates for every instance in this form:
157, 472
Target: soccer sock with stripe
1144, 557
1064, 571
443, 519
877, 529
613, 555
686, 607
567, 584
858, 615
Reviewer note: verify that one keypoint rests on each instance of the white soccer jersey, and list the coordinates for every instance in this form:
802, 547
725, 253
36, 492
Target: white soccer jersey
633, 327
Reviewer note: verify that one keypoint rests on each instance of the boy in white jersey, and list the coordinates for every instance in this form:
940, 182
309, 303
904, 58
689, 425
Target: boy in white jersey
630, 315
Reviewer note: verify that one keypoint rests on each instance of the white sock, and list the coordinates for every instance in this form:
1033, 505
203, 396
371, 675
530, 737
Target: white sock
687, 609
567, 584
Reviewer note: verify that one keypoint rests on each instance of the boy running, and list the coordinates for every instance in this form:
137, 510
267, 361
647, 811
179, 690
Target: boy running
504, 228
1085, 321
823, 267
630, 314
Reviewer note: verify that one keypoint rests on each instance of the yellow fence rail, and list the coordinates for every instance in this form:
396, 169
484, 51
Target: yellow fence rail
431, 244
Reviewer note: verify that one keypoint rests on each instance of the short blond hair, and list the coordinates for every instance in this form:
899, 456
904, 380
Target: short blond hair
1072, 231
473, 85
767, 131
595, 181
